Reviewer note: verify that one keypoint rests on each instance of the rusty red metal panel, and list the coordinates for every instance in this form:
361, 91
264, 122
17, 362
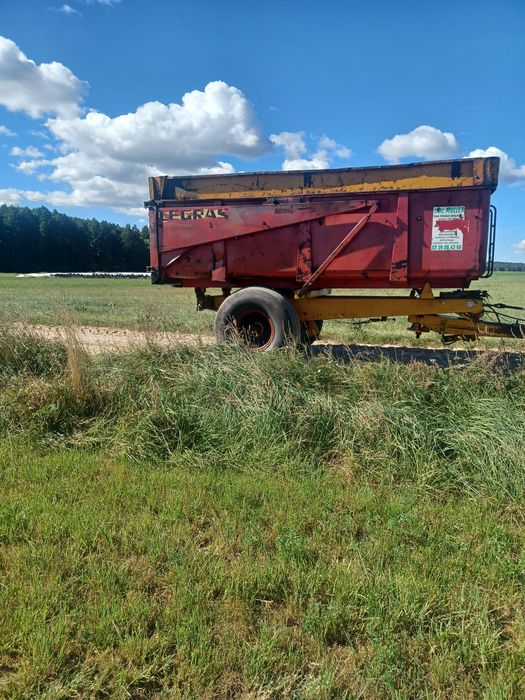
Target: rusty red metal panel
153, 239
218, 273
350, 236
304, 252
409, 238
399, 264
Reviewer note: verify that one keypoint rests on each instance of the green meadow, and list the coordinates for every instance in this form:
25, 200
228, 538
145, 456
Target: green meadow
207, 522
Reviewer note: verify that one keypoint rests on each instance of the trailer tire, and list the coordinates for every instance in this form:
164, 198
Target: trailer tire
260, 317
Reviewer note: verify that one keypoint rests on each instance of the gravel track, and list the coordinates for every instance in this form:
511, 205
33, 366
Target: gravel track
97, 339
104, 339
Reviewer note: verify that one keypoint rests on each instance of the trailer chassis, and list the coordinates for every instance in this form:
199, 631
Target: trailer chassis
453, 315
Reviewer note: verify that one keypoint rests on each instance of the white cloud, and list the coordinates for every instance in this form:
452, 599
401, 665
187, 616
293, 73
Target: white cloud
295, 150
30, 167
66, 9
29, 152
108, 3
4, 131
292, 142
48, 88
106, 160
325, 142
509, 172
422, 142
11, 195
318, 161
520, 247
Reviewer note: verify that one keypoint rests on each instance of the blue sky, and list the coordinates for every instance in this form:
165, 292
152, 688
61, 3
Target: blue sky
95, 90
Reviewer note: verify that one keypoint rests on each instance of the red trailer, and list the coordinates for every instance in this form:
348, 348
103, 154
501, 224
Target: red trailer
284, 239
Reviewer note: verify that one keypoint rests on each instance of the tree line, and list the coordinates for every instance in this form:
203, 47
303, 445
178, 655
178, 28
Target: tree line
509, 266
39, 240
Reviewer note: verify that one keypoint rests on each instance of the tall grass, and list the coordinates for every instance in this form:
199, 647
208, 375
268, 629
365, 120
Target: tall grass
211, 522
446, 429
23, 353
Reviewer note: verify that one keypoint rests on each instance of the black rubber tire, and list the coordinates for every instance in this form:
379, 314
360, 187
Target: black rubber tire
307, 338
260, 317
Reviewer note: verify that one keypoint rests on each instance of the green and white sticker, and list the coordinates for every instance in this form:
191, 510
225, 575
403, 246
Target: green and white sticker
446, 236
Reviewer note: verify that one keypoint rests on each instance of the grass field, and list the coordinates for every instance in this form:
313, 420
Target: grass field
212, 523
138, 304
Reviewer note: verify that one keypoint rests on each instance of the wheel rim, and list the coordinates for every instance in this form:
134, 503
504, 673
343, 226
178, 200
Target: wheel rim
255, 328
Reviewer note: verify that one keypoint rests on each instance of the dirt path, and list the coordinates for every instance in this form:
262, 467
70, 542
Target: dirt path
103, 339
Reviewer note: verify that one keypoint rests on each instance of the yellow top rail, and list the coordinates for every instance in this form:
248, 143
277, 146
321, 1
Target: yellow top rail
442, 174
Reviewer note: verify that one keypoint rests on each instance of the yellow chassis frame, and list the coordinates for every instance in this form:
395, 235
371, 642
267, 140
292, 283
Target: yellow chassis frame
452, 317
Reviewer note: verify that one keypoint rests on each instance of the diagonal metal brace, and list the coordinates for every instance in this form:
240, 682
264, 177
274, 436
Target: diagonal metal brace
338, 249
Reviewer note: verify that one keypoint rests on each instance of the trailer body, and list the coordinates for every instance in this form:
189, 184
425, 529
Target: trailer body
399, 226
284, 240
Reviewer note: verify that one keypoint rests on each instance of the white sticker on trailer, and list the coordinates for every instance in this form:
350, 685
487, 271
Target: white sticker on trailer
446, 236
